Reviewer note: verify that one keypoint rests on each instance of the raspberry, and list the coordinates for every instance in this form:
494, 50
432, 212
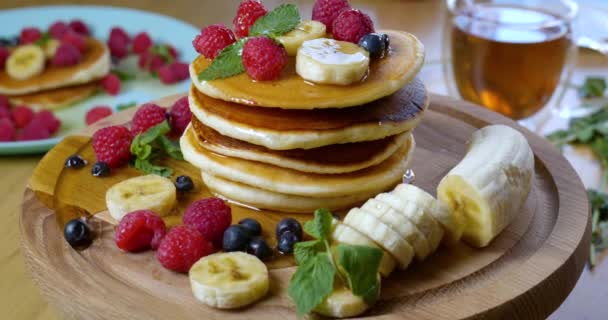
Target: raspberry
4, 103
182, 247
150, 62
140, 230
326, 11
112, 145
212, 40
58, 29
172, 51
76, 40
119, 34
180, 116
165, 74
263, 58
211, 217
48, 119
247, 14
156, 62
29, 35
79, 27
111, 84
351, 25
4, 53
174, 72
7, 130
5, 113
118, 42
97, 113
141, 42
147, 117
22, 115
66, 55
35, 130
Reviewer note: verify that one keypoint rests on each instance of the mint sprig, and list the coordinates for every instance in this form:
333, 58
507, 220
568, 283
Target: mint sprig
277, 22
227, 64
355, 266
152, 144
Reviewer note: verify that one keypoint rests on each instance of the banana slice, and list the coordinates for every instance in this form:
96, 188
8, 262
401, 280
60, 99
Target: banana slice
347, 235
25, 62
306, 30
229, 280
490, 185
401, 224
50, 47
330, 61
417, 213
341, 303
149, 192
452, 224
372, 227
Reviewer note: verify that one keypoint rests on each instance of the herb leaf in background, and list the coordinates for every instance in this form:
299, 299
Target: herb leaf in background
227, 64
277, 22
593, 87
152, 144
125, 106
123, 75
599, 224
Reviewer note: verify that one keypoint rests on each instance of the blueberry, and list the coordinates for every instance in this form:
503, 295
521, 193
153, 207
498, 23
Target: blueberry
100, 169
386, 39
259, 248
184, 184
375, 44
286, 241
236, 238
77, 234
252, 226
75, 162
289, 224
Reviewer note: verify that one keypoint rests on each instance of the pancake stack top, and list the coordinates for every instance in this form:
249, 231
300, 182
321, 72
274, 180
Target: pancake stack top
290, 145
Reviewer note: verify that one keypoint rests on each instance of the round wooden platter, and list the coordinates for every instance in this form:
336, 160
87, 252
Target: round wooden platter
525, 273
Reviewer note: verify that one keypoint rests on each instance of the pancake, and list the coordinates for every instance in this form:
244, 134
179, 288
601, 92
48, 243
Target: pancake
56, 99
386, 76
288, 181
94, 65
264, 199
332, 159
280, 129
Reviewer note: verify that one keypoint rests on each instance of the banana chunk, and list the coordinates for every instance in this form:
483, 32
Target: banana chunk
372, 227
401, 224
329, 61
347, 235
341, 303
490, 185
25, 62
229, 280
306, 30
149, 192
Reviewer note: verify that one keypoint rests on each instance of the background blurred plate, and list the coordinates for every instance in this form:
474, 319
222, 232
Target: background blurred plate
101, 19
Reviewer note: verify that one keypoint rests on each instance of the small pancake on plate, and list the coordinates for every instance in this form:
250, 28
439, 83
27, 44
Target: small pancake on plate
56, 99
288, 181
95, 65
281, 129
332, 159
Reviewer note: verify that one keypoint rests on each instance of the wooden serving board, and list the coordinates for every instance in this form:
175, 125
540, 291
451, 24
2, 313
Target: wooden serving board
525, 273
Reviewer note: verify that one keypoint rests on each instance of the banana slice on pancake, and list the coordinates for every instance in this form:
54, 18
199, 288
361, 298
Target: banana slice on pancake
306, 30
25, 62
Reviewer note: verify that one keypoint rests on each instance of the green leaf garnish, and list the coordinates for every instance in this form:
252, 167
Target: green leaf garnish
162, 50
125, 106
123, 75
44, 39
593, 87
170, 147
311, 283
227, 64
152, 144
320, 226
304, 251
277, 22
361, 265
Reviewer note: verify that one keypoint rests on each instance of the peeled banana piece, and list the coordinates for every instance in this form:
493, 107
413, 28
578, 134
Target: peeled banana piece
25, 62
229, 280
150, 192
489, 186
328, 61
306, 30
342, 303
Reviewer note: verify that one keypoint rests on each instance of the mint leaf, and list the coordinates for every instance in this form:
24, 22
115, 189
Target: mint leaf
227, 64
125, 106
320, 226
152, 133
304, 251
147, 167
162, 50
311, 283
123, 75
593, 87
44, 38
361, 263
279, 21
170, 147
147, 145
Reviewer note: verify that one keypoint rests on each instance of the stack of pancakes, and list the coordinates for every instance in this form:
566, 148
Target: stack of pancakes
58, 87
293, 146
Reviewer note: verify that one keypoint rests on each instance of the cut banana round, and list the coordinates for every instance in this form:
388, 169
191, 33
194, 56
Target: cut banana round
347, 235
50, 47
329, 61
342, 303
417, 214
401, 224
229, 280
25, 62
306, 30
149, 192
490, 185
372, 227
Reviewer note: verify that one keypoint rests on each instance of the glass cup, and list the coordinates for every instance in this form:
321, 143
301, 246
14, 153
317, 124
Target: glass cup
511, 55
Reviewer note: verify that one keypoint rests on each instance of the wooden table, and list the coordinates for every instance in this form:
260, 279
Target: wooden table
19, 298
